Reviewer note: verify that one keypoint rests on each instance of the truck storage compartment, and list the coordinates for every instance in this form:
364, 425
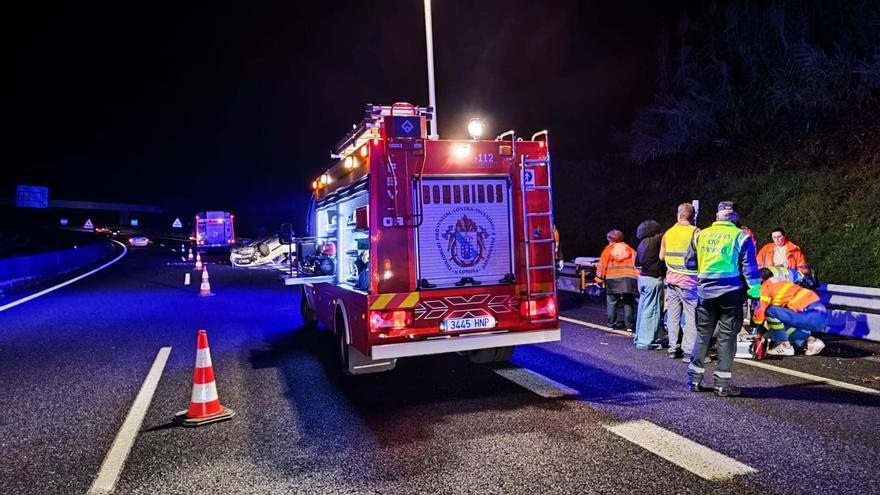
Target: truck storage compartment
465, 235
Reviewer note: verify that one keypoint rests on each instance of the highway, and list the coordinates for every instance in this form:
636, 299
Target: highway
589, 414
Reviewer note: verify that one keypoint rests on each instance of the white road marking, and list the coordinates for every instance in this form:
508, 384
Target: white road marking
757, 364
114, 461
537, 383
50, 289
700, 460
593, 325
807, 376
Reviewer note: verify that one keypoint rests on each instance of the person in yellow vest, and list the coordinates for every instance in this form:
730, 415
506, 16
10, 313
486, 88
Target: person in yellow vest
726, 265
681, 282
790, 313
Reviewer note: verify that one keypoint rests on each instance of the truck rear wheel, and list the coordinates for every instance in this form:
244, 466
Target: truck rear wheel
342, 344
310, 319
493, 355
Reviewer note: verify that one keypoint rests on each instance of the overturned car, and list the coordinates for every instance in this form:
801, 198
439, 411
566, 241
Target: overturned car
260, 252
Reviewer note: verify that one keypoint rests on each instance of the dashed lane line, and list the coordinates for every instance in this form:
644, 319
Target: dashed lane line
749, 362
702, 461
114, 461
537, 383
698, 459
593, 325
56, 287
812, 378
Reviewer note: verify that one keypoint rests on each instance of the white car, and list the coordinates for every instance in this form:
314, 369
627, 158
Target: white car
260, 252
139, 241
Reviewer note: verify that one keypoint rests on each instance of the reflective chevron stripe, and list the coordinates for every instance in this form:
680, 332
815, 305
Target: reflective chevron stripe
395, 301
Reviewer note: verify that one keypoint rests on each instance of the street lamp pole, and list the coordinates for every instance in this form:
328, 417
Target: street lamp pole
432, 97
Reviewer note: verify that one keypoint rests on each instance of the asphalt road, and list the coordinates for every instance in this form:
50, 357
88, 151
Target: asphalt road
71, 364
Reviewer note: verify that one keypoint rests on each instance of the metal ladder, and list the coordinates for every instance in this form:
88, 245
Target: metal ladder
524, 165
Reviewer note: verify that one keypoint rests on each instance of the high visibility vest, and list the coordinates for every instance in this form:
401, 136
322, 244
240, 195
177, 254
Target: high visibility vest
677, 240
718, 249
784, 294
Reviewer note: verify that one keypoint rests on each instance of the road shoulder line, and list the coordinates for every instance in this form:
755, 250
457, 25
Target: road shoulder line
593, 325
807, 376
68, 282
687, 454
537, 383
748, 362
114, 461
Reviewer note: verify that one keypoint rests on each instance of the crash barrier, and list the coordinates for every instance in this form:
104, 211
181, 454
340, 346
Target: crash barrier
46, 265
852, 311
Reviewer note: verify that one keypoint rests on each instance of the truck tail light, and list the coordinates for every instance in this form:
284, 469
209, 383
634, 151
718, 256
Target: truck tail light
395, 320
539, 307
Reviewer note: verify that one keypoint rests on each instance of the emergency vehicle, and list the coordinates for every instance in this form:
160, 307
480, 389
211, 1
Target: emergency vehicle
214, 229
421, 246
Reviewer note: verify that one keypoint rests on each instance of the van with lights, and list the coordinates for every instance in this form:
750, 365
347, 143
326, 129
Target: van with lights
419, 246
214, 230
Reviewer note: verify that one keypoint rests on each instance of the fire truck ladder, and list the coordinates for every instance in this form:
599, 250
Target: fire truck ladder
525, 165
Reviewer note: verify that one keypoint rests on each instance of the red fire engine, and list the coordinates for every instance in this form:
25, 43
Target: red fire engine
421, 246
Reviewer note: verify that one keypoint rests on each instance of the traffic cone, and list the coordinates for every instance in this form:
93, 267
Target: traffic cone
198, 262
204, 403
205, 289
189, 257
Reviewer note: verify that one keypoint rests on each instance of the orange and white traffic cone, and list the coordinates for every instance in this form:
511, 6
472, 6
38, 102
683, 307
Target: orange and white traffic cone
189, 257
204, 403
198, 262
205, 289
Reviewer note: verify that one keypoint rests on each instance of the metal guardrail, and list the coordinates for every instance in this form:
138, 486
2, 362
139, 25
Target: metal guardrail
852, 311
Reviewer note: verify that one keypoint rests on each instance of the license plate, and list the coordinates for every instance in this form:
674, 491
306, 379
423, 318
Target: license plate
456, 324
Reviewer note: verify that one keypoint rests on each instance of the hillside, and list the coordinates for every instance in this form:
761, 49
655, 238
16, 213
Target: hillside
822, 186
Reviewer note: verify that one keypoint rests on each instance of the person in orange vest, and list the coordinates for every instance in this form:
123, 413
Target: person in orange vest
617, 271
790, 313
782, 252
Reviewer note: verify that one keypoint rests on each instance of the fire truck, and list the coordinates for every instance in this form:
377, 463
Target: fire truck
214, 230
418, 246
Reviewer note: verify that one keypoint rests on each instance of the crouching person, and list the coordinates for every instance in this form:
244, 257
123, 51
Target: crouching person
790, 313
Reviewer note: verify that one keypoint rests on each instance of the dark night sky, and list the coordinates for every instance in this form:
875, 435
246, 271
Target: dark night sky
236, 107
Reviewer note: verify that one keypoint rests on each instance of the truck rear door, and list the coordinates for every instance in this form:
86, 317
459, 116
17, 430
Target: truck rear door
466, 233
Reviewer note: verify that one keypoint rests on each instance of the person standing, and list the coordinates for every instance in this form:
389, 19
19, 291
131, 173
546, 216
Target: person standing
681, 282
725, 256
648, 319
782, 252
616, 270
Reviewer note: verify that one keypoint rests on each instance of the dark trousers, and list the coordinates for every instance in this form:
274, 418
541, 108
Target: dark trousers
726, 312
629, 305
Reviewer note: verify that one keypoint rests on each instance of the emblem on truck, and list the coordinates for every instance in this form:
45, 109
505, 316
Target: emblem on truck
467, 242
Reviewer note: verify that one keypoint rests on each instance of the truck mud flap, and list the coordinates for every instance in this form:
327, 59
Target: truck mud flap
359, 364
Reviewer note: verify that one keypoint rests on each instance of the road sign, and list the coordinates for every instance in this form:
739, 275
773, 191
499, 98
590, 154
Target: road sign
31, 196
177, 224
89, 225
63, 221
134, 222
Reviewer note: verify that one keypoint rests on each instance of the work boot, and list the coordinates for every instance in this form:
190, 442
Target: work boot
727, 391
694, 386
